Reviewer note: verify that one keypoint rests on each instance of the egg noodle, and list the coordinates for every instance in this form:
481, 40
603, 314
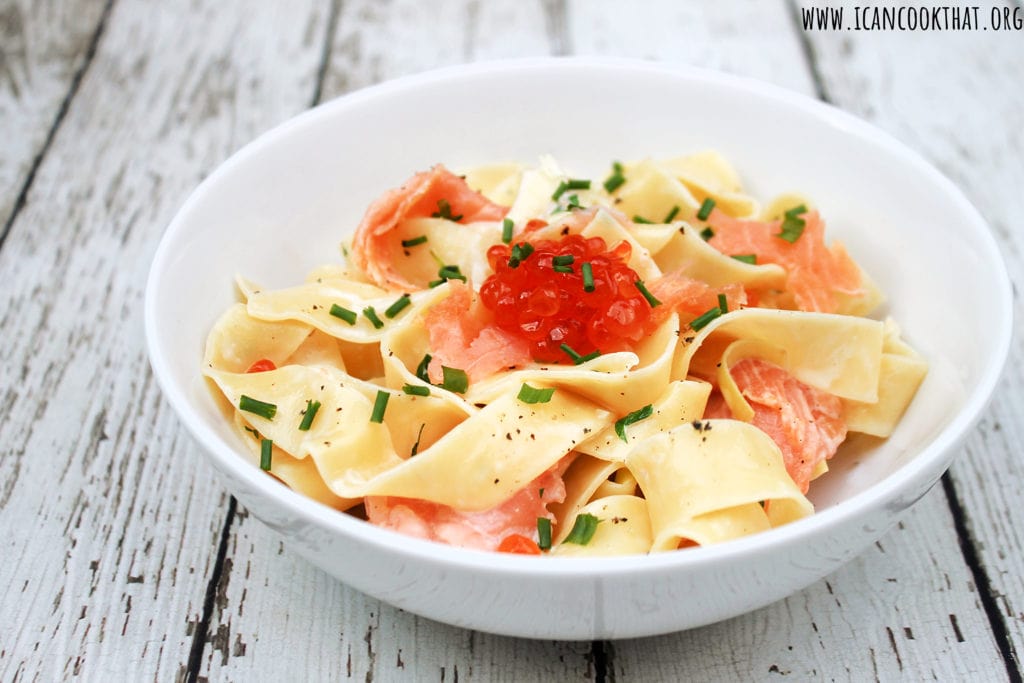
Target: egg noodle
737, 357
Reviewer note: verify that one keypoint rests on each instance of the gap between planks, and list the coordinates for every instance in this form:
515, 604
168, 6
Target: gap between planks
76, 81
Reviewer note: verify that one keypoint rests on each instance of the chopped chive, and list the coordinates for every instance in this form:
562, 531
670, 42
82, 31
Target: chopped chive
578, 184
577, 359
506, 230
450, 272
704, 318
380, 404
672, 214
416, 390
520, 252
436, 283
343, 313
588, 277
444, 210
573, 203
647, 295
415, 241
583, 529
266, 454
396, 308
416, 446
371, 315
707, 233
544, 533
705, 209
421, 369
641, 219
563, 260
528, 394
633, 417
454, 380
562, 269
616, 179
723, 304
792, 224
310, 412
251, 405
560, 190
746, 258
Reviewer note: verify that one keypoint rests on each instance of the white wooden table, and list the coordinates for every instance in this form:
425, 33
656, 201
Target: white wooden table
121, 559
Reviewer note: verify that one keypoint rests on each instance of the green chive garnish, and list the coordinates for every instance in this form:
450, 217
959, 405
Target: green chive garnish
647, 295
641, 219
705, 209
528, 394
746, 258
562, 269
436, 283
421, 369
723, 304
635, 416
615, 180
583, 529
416, 446
578, 184
577, 359
544, 533
371, 315
444, 210
343, 313
563, 260
560, 190
416, 390
707, 233
450, 272
573, 203
792, 224
454, 380
588, 277
520, 252
506, 230
671, 214
251, 405
414, 241
266, 453
307, 418
379, 406
396, 308
704, 318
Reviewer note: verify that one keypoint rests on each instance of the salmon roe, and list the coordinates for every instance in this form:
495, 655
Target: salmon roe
549, 308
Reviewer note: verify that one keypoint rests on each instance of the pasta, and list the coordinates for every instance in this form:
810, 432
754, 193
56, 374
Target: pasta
524, 361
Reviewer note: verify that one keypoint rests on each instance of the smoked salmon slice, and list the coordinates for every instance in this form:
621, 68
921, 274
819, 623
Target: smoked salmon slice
462, 336
483, 530
685, 295
815, 271
375, 245
804, 422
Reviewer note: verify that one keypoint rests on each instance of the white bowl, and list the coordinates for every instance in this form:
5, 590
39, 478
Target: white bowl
280, 206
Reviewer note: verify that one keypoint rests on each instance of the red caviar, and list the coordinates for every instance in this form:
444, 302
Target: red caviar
518, 545
262, 365
549, 308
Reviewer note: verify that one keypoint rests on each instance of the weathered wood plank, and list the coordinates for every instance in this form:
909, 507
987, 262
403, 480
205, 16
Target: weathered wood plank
956, 98
43, 47
111, 519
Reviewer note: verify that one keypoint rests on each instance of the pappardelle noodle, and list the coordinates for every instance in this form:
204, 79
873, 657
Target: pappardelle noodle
523, 360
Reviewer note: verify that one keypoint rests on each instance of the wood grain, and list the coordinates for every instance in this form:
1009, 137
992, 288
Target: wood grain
111, 518
44, 48
113, 522
956, 98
